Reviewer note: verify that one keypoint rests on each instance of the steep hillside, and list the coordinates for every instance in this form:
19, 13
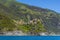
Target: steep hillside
6, 24
29, 19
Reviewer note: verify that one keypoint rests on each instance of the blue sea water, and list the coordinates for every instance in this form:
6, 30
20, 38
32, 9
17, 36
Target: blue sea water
29, 37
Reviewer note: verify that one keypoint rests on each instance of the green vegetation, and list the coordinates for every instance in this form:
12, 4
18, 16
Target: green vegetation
34, 19
32, 27
6, 24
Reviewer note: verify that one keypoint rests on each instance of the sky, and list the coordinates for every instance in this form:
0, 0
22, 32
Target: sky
50, 4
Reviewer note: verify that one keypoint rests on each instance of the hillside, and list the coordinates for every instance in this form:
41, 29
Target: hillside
28, 19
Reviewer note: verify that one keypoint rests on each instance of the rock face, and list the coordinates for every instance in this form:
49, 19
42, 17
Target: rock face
20, 33
13, 33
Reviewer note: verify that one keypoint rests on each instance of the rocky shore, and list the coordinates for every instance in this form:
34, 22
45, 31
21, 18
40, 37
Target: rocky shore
20, 33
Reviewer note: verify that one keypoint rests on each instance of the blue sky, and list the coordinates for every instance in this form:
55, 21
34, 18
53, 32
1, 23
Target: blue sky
50, 4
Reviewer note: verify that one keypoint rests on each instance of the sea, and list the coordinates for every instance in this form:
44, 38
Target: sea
29, 37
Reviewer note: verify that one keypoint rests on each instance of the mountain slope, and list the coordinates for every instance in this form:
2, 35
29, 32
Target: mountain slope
6, 24
29, 19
